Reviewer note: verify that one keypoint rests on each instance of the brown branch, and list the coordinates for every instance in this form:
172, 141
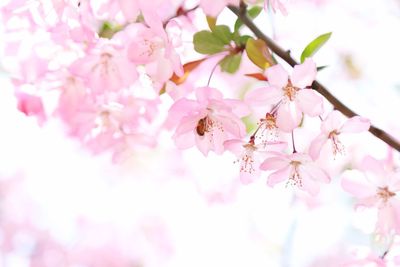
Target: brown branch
285, 55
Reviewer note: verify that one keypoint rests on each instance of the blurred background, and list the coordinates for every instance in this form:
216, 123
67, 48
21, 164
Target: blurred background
60, 205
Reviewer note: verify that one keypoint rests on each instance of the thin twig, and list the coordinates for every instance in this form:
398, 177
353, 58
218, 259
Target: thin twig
285, 55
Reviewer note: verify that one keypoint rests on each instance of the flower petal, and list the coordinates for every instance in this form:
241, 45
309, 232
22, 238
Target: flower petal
374, 170
279, 176
316, 146
307, 183
334, 121
310, 102
277, 76
304, 74
316, 173
288, 117
355, 183
356, 124
264, 96
274, 163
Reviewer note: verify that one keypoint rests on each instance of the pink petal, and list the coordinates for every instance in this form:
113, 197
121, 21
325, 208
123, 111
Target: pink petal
304, 74
288, 117
302, 157
374, 170
356, 124
218, 138
247, 177
394, 182
211, 7
332, 122
179, 109
279, 176
238, 107
316, 146
316, 173
203, 144
310, 102
203, 94
395, 204
355, 183
184, 140
277, 76
274, 163
129, 8
264, 96
368, 202
235, 146
307, 183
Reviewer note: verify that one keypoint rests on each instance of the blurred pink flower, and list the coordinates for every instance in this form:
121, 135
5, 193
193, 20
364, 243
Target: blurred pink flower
376, 187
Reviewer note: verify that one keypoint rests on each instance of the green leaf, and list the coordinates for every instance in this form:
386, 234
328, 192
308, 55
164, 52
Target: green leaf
205, 42
223, 33
252, 13
231, 63
314, 46
257, 51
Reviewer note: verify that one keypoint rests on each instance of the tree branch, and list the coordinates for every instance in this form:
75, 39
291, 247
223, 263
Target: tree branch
285, 55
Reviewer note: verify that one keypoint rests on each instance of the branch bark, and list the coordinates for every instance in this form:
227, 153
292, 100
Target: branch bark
285, 55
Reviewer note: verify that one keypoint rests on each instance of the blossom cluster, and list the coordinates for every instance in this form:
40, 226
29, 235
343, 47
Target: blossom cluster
111, 65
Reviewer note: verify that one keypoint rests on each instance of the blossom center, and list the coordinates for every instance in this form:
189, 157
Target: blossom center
384, 193
207, 125
247, 160
294, 177
290, 91
337, 146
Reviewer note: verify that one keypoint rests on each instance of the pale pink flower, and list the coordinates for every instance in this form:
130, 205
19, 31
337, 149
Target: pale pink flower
289, 94
332, 127
248, 156
206, 122
297, 169
104, 70
376, 187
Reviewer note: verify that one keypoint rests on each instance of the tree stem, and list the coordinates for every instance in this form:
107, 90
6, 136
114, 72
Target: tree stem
285, 55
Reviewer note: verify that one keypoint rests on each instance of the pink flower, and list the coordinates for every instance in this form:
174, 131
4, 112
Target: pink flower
376, 187
288, 95
297, 169
105, 70
249, 154
332, 127
207, 122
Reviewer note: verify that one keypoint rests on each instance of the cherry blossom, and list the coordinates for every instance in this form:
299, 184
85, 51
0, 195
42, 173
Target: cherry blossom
297, 169
376, 187
332, 127
289, 94
249, 156
105, 69
206, 122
